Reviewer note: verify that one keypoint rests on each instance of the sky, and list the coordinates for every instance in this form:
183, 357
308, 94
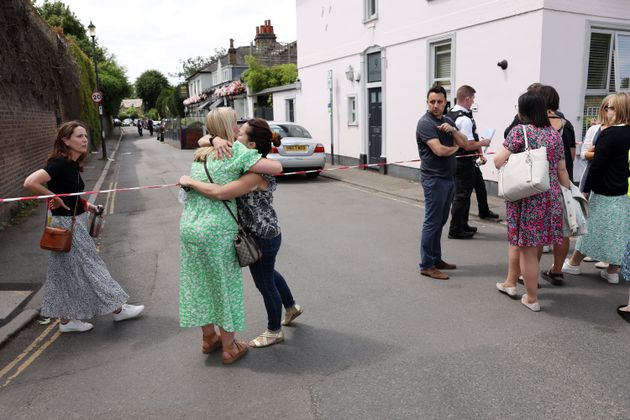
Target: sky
156, 34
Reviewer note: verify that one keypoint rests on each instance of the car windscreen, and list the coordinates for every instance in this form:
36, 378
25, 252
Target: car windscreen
291, 130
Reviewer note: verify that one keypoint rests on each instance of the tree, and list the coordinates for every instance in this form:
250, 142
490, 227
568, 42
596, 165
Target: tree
259, 77
149, 85
114, 84
192, 65
162, 102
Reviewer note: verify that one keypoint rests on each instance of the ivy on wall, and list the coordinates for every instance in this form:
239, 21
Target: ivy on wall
89, 110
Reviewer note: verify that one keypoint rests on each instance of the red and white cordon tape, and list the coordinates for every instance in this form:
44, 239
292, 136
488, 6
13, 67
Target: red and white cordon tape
150, 187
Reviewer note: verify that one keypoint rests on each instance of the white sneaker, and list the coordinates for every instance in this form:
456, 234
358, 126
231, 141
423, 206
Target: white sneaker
128, 312
612, 278
571, 269
74, 325
601, 265
546, 249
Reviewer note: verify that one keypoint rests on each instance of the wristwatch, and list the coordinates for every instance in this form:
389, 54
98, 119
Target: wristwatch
211, 137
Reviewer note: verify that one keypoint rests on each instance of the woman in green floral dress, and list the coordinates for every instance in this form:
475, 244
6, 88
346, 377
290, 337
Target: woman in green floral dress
211, 283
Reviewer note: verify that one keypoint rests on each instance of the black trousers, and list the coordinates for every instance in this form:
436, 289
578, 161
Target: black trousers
481, 192
464, 185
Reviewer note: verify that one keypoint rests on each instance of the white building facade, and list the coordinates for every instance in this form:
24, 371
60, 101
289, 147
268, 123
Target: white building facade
384, 56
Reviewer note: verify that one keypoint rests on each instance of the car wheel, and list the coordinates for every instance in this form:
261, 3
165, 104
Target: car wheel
312, 174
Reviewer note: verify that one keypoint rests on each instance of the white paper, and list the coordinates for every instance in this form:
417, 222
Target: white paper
488, 133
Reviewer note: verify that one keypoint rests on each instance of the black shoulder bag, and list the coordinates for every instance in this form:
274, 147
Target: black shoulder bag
247, 250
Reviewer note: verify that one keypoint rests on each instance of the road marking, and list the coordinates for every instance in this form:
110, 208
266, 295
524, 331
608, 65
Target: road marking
113, 195
30, 350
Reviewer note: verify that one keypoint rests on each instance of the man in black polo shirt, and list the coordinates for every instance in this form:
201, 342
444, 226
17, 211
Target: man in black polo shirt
438, 139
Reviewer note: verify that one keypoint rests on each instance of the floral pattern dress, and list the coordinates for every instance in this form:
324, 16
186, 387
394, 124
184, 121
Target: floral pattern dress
211, 282
536, 220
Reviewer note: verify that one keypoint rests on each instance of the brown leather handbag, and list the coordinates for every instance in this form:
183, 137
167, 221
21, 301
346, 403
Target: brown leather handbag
58, 239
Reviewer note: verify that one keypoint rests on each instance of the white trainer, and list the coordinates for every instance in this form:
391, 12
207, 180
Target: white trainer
612, 278
75, 325
601, 265
128, 312
571, 269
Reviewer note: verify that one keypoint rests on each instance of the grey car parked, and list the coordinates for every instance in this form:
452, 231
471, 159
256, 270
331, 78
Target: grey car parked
298, 151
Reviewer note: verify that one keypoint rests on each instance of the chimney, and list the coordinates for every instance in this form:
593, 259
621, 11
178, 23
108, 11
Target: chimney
265, 37
231, 53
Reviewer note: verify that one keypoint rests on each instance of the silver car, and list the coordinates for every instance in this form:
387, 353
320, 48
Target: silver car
298, 151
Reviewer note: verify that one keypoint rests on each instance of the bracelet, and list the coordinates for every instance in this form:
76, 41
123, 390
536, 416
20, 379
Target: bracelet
211, 139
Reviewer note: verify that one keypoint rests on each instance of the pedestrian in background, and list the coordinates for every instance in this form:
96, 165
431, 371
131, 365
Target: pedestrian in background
464, 177
211, 283
609, 204
438, 140
78, 285
256, 213
536, 220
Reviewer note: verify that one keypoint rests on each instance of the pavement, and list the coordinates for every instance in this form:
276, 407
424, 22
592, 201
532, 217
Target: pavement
20, 295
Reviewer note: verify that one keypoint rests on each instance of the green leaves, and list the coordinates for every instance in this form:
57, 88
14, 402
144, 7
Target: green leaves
259, 77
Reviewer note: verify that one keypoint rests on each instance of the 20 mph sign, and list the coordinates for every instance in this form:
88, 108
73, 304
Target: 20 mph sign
97, 97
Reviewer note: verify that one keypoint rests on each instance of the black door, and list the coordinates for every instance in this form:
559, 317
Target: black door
375, 122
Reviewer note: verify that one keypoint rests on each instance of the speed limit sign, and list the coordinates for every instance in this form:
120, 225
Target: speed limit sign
97, 96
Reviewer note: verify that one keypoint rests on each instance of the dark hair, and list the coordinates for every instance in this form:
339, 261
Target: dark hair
436, 89
59, 147
465, 91
552, 99
533, 110
534, 87
259, 132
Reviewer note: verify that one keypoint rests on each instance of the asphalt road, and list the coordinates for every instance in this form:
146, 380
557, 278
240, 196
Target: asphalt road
376, 341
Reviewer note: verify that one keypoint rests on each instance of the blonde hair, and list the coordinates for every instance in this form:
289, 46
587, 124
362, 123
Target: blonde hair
602, 115
621, 103
220, 122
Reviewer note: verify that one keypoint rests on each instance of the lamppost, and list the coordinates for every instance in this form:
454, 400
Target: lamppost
92, 32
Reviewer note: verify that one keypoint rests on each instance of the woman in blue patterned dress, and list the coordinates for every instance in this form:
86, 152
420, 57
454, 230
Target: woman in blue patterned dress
537, 220
211, 283
255, 209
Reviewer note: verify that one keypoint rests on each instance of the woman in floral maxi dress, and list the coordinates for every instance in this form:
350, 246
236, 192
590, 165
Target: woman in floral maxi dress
536, 220
211, 284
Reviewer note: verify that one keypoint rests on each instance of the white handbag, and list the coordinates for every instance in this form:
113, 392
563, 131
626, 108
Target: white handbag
524, 174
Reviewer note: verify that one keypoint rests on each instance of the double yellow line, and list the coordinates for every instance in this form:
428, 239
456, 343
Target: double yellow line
29, 355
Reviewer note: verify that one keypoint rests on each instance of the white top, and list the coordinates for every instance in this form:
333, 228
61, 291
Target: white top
463, 123
588, 139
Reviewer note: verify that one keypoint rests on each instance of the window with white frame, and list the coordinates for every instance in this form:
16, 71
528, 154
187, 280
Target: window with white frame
608, 69
370, 9
290, 109
352, 110
226, 75
441, 63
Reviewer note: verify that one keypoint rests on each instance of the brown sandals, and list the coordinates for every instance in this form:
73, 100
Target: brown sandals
209, 345
241, 350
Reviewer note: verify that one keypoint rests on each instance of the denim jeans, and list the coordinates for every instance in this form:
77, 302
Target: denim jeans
270, 283
438, 195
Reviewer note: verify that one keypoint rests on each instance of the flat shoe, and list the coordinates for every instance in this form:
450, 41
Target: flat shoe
601, 265
241, 350
510, 291
434, 273
533, 306
291, 313
443, 265
267, 338
521, 281
624, 314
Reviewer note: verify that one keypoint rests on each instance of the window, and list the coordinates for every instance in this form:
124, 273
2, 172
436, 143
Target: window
374, 67
370, 7
441, 66
290, 109
608, 70
352, 110
226, 75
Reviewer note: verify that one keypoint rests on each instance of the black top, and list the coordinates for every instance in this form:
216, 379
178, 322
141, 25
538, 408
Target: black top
609, 171
65, 178
568, 139
431, 165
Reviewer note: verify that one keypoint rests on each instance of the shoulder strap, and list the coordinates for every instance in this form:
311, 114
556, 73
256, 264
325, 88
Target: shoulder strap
205, 167
525, 136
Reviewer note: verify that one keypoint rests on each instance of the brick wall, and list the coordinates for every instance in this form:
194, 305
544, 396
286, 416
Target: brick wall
38, 89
